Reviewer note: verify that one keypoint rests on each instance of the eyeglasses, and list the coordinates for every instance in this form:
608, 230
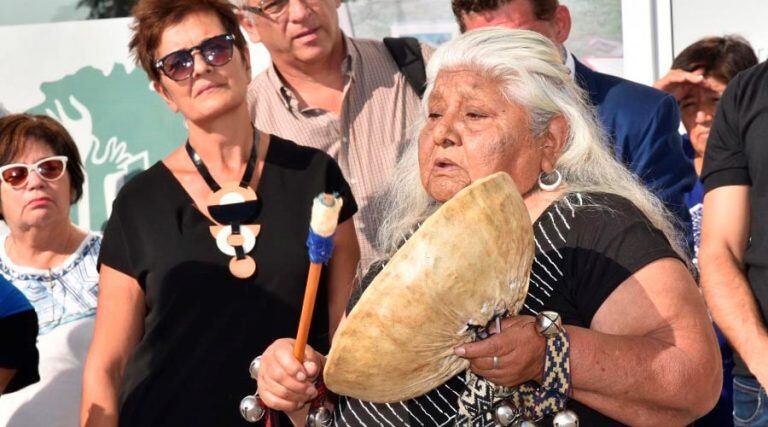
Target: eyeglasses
49, 169
271, 8
216, 51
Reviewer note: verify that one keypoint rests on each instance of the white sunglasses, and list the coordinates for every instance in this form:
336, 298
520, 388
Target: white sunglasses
49, 169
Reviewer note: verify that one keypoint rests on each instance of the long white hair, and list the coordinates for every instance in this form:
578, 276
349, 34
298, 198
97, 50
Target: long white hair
532, 74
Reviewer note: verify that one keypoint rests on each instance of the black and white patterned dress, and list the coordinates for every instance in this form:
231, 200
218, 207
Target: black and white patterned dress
586, 246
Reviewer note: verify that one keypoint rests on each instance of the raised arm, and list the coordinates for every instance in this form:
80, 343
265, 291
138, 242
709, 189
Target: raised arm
119, 326
678, 82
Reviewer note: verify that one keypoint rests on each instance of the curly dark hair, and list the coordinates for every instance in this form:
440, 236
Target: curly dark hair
543, 9
719, 57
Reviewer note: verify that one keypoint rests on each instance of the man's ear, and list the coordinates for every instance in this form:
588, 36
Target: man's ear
246, 21
160, 89
553, 141
562, 22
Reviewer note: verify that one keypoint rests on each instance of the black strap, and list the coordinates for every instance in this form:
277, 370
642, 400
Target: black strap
406, 51
239, 252
203, 170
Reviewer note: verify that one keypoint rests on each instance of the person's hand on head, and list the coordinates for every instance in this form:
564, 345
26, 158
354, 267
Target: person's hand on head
679, 82
714, 85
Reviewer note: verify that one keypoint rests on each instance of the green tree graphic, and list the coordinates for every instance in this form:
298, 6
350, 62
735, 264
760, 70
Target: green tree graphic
119, 124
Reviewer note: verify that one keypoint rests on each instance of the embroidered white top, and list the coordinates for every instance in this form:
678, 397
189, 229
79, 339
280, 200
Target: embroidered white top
64, 299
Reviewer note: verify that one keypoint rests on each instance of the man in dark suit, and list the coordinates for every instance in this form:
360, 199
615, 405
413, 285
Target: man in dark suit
641, 122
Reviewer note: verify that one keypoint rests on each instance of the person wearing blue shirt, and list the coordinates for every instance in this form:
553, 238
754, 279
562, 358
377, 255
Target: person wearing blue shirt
18, 333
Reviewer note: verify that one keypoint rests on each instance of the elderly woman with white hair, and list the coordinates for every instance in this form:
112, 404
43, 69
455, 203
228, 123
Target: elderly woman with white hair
607, 259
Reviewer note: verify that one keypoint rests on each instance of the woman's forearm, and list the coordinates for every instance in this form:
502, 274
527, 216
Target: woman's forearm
643, 380
119, 327
99, 403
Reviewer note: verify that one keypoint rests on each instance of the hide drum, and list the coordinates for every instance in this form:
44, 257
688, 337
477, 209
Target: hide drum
467, 263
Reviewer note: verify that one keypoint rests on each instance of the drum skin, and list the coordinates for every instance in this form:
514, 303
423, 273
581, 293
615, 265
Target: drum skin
467, 263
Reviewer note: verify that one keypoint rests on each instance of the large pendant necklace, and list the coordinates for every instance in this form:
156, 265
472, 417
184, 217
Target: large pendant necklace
233, 207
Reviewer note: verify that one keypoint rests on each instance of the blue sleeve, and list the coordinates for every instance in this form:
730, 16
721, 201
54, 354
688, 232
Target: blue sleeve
656, 156
12, 301
18, 336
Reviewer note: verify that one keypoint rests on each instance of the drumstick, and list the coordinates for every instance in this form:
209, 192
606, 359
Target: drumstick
322, 226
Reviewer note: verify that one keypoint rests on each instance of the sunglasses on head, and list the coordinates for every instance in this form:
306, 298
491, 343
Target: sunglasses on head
216, 51
49, 169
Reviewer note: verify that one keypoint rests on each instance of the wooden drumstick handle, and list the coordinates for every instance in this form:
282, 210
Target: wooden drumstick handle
307, 310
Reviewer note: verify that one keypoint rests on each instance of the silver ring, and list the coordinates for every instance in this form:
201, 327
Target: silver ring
495, 362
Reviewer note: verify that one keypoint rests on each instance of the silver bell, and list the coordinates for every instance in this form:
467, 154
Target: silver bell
251, 409
254, 368
525, 423
320, 417
566, 418
548, 323
504, 415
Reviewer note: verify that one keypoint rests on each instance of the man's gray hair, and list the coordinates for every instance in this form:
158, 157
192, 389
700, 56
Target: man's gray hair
531, 73
239, 4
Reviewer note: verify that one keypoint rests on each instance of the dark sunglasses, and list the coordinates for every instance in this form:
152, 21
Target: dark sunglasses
216, 51
49, 169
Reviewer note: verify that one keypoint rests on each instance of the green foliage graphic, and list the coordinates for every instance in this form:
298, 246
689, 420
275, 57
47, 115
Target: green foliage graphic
120, 125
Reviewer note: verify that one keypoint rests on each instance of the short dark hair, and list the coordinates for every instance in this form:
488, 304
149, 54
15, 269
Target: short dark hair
543, 9
152, 17
16, 130
719, 57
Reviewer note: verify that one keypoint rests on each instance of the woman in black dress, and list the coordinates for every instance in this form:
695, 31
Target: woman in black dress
641, 349
204, 260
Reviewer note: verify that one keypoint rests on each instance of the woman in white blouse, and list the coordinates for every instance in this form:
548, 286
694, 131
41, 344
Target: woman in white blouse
48, 258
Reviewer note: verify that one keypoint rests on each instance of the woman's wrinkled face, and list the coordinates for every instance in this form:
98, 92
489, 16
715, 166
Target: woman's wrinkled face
38, 202
473, 131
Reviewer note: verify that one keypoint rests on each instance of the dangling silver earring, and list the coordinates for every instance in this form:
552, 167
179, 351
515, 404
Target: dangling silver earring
550, 181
